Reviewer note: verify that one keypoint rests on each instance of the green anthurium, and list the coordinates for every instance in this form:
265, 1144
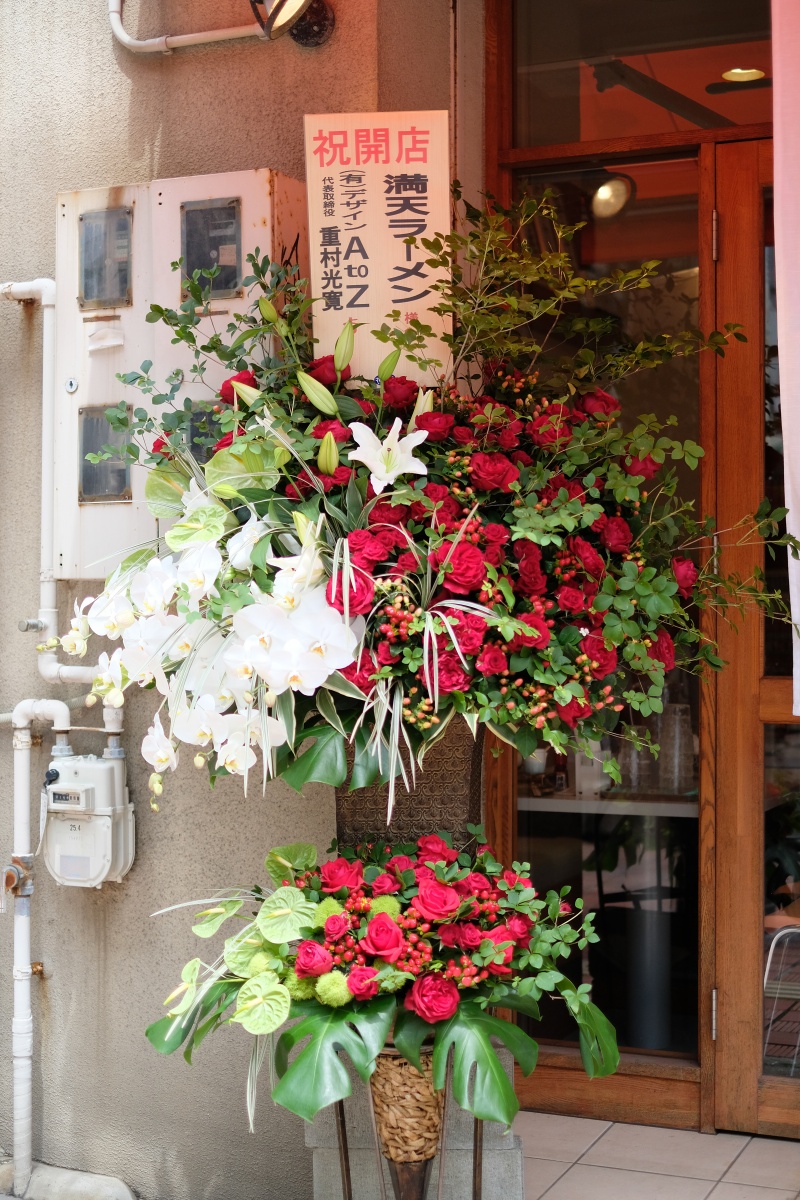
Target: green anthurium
284, 914
241, 466
206, 523
317, 1076
203, 1016
213, 918
187, 989
163, 490
283, 862
247, 954
263, 1004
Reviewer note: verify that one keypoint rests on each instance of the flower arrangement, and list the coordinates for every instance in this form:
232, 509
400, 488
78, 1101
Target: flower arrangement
413, 942
355, 562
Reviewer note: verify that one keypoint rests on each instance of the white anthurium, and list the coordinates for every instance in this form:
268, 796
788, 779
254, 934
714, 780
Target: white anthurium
109, 614
241, 546
153, 589
387, 460
157, 748
198, 571
200, 724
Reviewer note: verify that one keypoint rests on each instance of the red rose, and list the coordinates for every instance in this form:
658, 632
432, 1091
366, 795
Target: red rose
465, 570
616, 535
323, 370
446, 505
365, 548
492, 661
400, 393
340, 477
361, 593
532, 579
647, 466
436, 901
501, 933
558, 483
539, 635
336, 927
471, 884
385, 656
384, 513
573, 712
362, 982
422, 872
587, 556
685, 575
452, 676
508, 438
598, 404
161, 446
432, 848
366, 406
464, 435
361, 673
594, 648
519, 927
312, 959
392, 537
448, 935
437, 425
226, 392
663, 650
492, 472
340, 432
469, 630
384, 885
496, 533
406, 564
339, 873
494, 553
520, 458
227, 440
467, 937
383, 939
433, 998
401, 862
570, 599
552, 427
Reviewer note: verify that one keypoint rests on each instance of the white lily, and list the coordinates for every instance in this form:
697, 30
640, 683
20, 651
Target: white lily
157, 748
390, 459
241, 546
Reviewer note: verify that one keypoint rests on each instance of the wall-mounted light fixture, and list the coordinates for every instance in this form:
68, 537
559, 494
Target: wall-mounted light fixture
309, 23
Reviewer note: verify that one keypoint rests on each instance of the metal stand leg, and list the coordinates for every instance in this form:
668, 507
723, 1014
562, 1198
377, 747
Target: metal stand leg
477, 1161
344, 1153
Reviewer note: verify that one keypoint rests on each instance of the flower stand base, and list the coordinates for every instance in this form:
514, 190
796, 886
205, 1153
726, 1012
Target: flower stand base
502, 1161
408, 1121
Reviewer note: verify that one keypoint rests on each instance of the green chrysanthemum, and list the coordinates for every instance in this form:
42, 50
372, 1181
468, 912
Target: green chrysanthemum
385, 904
299, 989
332, 989
326, 908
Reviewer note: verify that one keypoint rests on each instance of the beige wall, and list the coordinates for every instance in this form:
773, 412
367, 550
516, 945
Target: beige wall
79, 111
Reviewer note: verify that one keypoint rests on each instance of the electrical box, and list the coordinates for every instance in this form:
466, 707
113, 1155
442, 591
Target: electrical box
89, 834
114, 249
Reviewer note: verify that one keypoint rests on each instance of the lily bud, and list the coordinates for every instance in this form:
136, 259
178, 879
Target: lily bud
424, 405
302, 525
318, 394
387, 367
343, 350
328, 456
268, 310
248, 395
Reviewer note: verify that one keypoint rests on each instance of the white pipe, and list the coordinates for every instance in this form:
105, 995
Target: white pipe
43, 291
177, 41
22, 1022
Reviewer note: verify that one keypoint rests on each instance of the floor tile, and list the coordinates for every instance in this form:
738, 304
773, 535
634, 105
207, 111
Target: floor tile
768, 1162
748, 1191
604, 1183
666, 1151
564, 1139
540, 1174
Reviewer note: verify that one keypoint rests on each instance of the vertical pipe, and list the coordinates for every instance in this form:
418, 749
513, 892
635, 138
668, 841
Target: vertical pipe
22, 1021
48, 608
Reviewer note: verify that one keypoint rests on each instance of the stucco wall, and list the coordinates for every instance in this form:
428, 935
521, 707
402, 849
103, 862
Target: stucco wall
79, 111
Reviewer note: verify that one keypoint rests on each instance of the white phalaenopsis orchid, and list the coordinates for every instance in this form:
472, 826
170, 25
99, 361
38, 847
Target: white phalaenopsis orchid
153, 589
199, 724
110, 613
389, 459
241, 546
198, 570
157, 748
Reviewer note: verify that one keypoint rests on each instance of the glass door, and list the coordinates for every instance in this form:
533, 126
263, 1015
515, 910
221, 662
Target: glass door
758, 775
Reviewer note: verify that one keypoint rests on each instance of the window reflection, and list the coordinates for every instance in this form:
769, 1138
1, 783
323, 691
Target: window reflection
782, 899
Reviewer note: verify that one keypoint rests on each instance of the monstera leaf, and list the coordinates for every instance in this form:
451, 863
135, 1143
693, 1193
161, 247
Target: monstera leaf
284, 914
263, 1004
317, 1077
469, 1032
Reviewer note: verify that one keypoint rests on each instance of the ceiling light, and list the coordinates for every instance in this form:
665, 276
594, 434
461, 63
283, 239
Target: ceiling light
611, 196
743, 74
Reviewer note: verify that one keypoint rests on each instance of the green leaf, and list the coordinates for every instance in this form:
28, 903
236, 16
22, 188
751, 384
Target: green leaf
284, 914
263, 1004
237, 467
324, 761
410, 1031
214, 917
284, 862
597, 1036
318, 394
317, 1077
469, 1032
163, 490
169, 1034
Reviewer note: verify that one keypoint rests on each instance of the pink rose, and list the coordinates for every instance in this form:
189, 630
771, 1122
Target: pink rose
501, 933
685, 575
452, 676
384, 885
365, 548
519, 928
469, 630
433, 998
337, 926
362, 983
401, 862
471, 884
422, 872
465, 570
339, 873
312, 959
361, 673
361, 593
436, 901
432, 848
383, 939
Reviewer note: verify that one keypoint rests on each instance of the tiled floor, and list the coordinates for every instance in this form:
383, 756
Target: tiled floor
571, 1159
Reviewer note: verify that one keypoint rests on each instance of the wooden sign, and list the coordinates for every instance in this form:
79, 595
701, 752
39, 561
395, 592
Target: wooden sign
375, 179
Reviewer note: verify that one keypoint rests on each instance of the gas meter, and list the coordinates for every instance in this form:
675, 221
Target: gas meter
88, 833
